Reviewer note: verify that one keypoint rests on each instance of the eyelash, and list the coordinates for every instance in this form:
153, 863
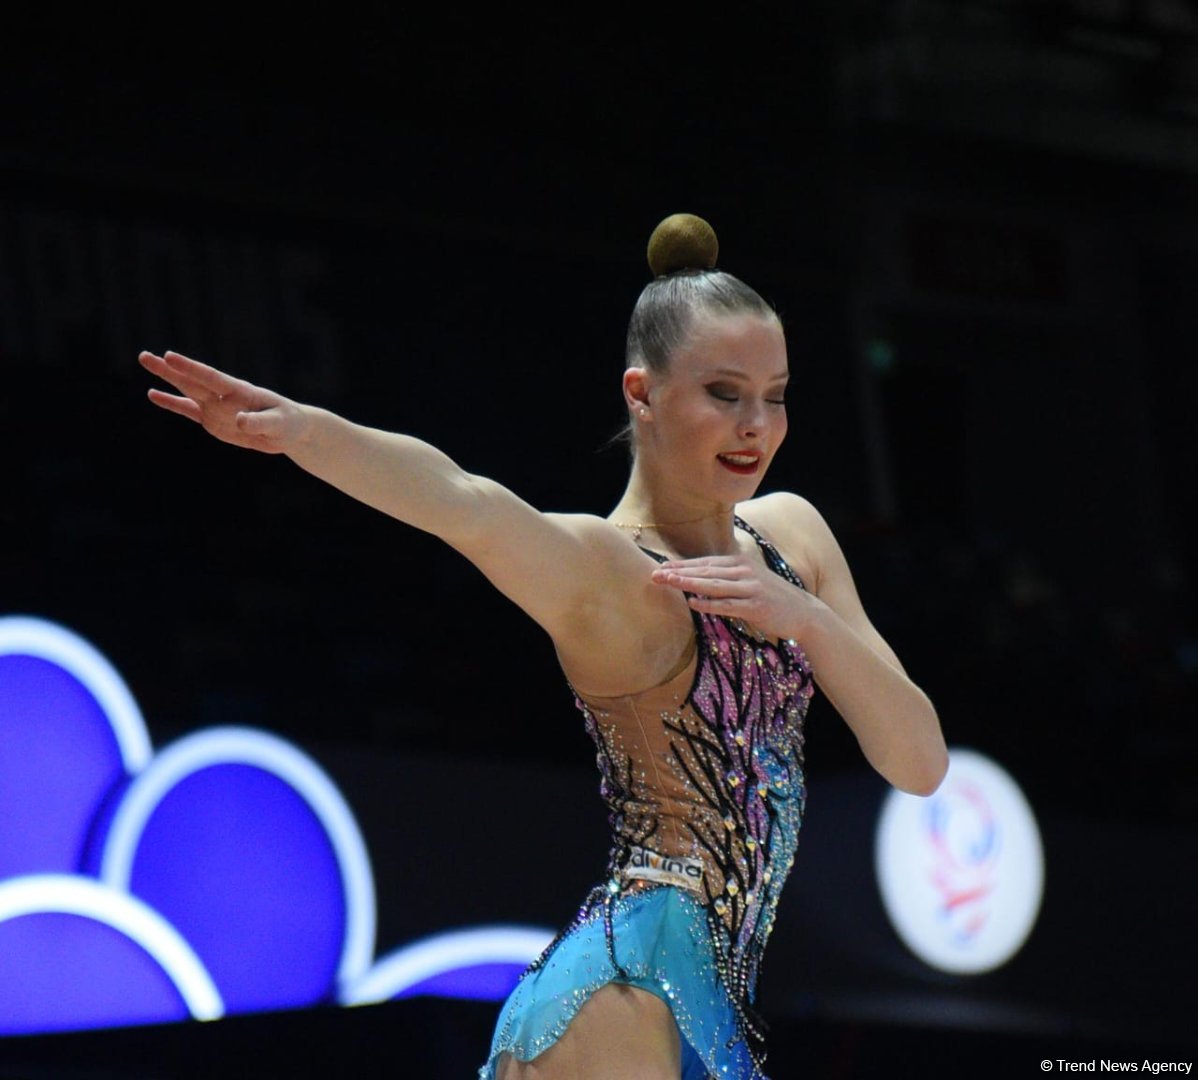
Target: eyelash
768, 401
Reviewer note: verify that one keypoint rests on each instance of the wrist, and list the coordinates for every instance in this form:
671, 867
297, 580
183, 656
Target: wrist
810, 620
305, 435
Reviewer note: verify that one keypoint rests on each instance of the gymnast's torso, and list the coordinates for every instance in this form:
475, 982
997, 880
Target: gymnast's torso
702, 776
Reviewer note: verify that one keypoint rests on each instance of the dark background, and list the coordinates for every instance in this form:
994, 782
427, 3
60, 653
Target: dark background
978, 221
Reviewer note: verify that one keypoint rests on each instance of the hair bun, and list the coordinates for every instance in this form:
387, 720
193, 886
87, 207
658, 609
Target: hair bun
682, 242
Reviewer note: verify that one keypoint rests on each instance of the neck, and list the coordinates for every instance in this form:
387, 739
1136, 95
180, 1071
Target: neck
679, 521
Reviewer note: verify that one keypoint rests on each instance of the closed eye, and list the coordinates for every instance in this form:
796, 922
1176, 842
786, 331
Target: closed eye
720, 394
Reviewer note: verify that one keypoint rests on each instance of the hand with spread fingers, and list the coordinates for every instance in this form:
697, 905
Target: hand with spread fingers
229, 409
741, 588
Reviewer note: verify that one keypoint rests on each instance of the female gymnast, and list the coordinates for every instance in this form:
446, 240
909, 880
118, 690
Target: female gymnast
691, 623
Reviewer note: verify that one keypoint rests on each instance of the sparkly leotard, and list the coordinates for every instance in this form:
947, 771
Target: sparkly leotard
703, 778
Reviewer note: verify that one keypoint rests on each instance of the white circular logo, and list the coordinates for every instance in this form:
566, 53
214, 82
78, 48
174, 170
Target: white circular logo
961, 872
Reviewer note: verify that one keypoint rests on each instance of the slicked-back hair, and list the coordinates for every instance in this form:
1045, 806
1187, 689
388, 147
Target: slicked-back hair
667, 308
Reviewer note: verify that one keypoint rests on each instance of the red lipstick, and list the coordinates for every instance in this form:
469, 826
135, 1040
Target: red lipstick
741, 462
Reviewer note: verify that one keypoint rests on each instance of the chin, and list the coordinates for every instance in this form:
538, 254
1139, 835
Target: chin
742, 481
740, 489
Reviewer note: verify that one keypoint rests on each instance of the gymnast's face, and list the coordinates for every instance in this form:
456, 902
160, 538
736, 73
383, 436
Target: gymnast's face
714, 420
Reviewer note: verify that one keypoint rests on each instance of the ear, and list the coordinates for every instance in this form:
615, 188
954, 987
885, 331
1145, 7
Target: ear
637, 385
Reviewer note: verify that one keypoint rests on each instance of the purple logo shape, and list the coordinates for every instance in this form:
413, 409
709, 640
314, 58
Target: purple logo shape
483, 963
70, 736
247, 847
75, 954
233, 875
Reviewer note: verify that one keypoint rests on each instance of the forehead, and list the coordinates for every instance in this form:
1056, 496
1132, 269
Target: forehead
750, 345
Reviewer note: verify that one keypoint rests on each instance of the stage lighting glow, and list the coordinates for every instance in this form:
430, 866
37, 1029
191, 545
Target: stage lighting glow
961, 872
482, 947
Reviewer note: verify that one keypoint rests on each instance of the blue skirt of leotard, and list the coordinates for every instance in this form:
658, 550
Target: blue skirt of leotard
661, 939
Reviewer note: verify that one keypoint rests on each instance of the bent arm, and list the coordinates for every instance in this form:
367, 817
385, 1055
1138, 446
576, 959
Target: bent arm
894, 721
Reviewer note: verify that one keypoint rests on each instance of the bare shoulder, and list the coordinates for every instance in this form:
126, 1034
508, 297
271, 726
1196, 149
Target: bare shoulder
797, 529
608, 546
784, 508
589, 527
617, 572
626, 632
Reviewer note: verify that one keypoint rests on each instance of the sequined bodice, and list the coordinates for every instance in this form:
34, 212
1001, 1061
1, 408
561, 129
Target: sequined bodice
703, 779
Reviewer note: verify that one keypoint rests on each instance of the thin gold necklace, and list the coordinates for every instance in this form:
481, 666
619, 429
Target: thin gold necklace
639, 526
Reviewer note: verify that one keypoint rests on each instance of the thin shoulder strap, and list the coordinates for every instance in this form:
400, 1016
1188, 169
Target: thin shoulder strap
773, 557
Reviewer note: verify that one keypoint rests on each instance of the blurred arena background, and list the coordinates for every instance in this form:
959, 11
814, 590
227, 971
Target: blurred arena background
979, 223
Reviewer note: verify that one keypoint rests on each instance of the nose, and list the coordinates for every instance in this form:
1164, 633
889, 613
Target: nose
752, 420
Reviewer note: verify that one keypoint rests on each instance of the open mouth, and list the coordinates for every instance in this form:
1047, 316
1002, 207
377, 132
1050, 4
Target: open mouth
745, 464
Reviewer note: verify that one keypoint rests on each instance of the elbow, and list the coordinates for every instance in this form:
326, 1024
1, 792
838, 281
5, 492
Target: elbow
918, 764
926, 775
928, 783
929, 765
906, 746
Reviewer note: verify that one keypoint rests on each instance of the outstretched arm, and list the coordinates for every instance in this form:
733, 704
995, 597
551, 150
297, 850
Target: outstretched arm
892, 718
535, 559
402, 476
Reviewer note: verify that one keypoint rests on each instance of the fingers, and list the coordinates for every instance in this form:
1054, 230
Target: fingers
215, 382
190, 377
732, 606
721, 566
158, 366
184, 406
725, 568
704, 583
